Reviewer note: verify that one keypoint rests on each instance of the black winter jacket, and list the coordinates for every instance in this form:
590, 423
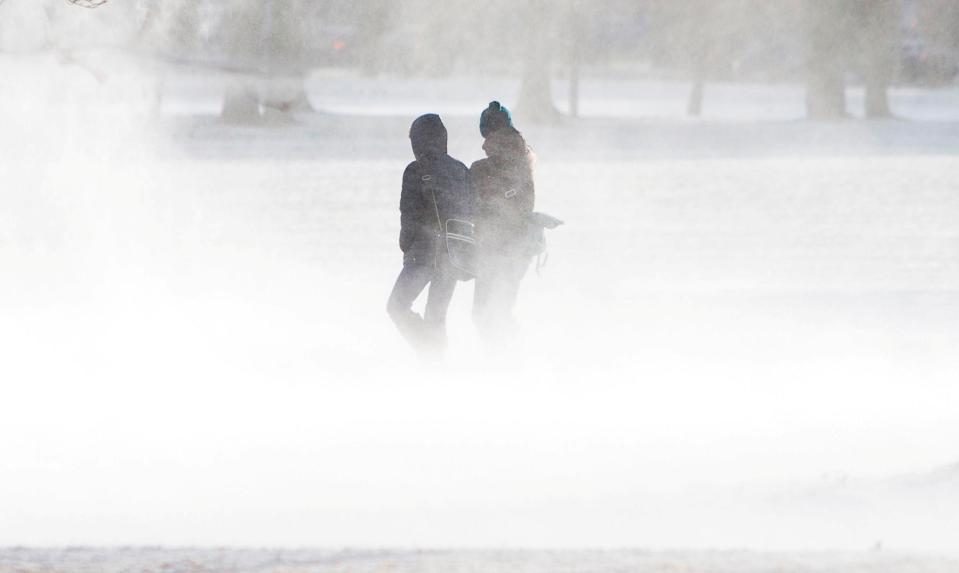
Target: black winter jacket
434, 190
504, 194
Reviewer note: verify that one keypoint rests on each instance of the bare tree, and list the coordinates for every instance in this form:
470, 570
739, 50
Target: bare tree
88, 3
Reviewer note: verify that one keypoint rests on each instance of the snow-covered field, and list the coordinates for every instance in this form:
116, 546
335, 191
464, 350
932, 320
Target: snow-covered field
136, 559
745, 337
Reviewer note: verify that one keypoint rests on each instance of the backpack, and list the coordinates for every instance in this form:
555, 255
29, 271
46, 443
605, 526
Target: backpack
535, 239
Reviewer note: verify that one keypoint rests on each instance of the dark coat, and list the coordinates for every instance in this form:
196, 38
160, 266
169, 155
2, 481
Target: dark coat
434, 190
503, 192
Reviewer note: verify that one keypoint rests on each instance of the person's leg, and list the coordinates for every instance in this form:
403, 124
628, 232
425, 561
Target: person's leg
495, 298
484, 291
442, 285
409, 284
513, 275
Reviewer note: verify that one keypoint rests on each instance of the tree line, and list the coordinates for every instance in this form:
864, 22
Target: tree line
820, 42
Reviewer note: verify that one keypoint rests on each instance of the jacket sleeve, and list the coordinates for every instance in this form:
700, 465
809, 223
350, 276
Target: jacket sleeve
409, 208
529, 201
475, 182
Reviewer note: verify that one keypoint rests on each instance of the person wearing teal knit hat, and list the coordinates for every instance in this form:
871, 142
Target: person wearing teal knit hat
494, 118
501, 186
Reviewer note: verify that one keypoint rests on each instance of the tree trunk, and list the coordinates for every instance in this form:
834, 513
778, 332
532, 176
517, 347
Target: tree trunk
574, 90
879, 20
286, 97
536, 94
825, 84
300, 103
147, 30
877, 98
694, 106
241, 103
369, 44
699, 17
575, 57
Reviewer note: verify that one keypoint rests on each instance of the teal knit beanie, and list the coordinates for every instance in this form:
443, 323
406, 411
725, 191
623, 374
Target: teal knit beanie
493, 118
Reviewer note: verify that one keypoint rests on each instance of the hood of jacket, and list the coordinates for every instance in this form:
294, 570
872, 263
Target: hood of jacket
507, 145
428, 136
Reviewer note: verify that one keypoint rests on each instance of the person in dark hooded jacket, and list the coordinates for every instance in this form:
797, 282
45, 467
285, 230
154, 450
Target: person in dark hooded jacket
434, 190
504, 195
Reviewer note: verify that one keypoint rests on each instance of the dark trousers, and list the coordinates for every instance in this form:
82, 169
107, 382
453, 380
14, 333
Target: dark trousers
497, 286
427, 332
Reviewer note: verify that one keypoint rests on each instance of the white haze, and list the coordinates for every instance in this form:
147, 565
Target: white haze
744, 337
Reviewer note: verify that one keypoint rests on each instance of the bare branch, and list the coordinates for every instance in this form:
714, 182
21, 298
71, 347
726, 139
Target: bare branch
88, 3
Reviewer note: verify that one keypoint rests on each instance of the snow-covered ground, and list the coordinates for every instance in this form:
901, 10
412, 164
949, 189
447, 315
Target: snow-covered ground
187, 560
745, 336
